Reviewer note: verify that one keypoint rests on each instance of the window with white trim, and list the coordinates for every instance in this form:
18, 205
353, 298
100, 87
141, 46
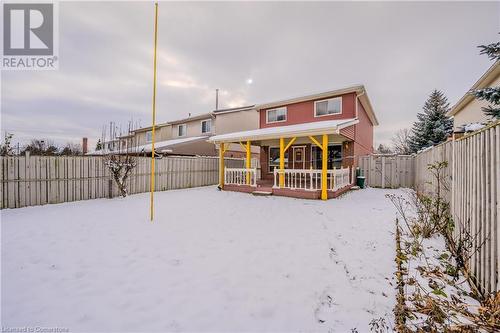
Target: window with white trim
149, 136
276, 115
328, 107
181, 130
274, 158
206, 126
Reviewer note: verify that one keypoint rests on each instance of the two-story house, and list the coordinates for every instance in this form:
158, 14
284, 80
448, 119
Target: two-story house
189, 136
180, 137
308, 145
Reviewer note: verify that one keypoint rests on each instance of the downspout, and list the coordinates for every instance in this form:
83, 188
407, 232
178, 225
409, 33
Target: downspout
354, 162
357, 100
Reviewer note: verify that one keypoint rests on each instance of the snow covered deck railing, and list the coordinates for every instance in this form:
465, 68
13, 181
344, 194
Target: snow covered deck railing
310, 179
339, 178
302, 179
240, 176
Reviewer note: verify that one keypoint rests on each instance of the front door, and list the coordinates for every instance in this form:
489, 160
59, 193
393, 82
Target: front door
299, 158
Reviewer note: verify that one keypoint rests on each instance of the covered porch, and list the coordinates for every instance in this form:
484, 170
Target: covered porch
311, 160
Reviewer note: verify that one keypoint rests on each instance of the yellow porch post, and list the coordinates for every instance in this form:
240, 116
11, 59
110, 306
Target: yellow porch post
282, 162
249, 161
221, 165
324, 166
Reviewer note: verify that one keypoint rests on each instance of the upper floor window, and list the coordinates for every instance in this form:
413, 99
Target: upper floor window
149, 136
206, 126
328, 107
276, 115
181, 130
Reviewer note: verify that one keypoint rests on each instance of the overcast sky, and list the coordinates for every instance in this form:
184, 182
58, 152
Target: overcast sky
399, 51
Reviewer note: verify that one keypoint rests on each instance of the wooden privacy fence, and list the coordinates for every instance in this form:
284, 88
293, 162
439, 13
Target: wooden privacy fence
472, 187
475, 198
38, 180
388, 171
424, 180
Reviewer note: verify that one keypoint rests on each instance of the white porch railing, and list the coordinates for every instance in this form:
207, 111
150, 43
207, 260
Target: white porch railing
305, 179
238, 176
310, 179
339, 178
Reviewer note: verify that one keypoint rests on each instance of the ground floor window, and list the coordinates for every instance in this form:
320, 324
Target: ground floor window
274, 158
334, 156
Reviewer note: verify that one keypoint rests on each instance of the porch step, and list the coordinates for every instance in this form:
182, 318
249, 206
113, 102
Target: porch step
262, 193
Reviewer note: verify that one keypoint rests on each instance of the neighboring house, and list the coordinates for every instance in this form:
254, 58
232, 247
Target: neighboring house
189, 136
237, 119
144, 136
468, 110
181, 137
309, 145
108, 147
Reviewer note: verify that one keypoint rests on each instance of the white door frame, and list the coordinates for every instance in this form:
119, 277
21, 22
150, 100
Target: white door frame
303, 156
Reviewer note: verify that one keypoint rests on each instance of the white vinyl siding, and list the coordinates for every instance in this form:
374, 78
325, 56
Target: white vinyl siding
328, 107
276, 115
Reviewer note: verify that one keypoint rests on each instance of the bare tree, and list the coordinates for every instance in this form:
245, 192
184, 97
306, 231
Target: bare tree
120, 167
401, 142
6, 147
383, 149
72, 149
119, 160
41, 147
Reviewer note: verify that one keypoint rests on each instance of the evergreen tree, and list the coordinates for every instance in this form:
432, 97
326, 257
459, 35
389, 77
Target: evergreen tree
433, 125
98, 146
491, 50
490, 94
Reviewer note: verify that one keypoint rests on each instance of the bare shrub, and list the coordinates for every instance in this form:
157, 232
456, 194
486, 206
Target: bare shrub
120, 167
436, 302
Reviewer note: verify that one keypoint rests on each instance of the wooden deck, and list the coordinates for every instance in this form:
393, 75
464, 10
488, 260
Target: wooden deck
267, 186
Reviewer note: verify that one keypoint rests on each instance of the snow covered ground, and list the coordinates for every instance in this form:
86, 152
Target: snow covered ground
211, 261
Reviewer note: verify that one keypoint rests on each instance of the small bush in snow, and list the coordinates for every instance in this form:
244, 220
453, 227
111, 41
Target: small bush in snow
120, 167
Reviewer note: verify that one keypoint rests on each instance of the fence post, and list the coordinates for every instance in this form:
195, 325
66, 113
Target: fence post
382, 166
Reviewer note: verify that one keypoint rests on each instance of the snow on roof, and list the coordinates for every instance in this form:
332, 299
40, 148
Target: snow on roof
97, 152
312, 128
472, 127
161, 146
236, 109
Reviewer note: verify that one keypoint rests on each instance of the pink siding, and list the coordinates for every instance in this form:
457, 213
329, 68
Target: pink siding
363, 134
303, 112
349, 132
360, 135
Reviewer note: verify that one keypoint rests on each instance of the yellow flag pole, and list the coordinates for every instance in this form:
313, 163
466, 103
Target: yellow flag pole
152, 183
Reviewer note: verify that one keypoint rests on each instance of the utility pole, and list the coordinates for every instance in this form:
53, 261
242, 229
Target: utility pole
216, 99
152, 181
